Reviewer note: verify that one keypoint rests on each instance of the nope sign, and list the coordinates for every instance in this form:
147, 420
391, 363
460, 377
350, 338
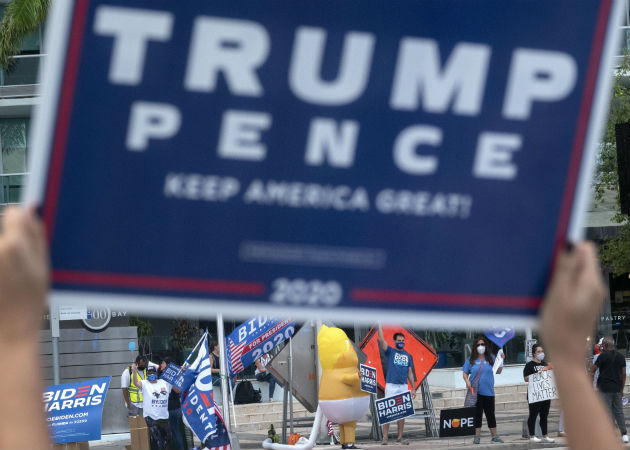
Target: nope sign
414, 159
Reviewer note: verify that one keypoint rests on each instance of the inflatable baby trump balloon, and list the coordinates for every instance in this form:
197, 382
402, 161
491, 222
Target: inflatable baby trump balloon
340, 395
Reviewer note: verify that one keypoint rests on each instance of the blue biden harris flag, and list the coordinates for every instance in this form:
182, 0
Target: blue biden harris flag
74, 410
419, 160
198, 409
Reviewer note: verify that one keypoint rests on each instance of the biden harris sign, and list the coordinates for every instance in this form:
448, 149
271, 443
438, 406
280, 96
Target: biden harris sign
417, 159
74, 410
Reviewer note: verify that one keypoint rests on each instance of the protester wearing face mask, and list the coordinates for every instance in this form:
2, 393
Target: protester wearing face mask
537, 364
479, 378
132, 393
399, 369
155, 393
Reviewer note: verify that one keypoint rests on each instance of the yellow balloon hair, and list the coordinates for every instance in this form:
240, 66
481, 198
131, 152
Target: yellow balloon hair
331, 344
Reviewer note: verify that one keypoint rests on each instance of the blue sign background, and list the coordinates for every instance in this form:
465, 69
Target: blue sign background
104, 201
394, 408
368, 378
70, 423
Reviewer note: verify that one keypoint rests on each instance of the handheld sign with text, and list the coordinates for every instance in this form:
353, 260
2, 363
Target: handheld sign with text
74, 410
541, 387
396, 407
457, 422
368, 378
292, 157
173, 375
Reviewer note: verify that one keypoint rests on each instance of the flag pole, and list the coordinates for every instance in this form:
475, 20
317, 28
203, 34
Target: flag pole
225, 383
203, 336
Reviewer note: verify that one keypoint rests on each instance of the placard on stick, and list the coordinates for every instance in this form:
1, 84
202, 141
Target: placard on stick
292, 157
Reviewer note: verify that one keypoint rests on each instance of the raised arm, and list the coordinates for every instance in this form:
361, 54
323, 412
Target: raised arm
381, 337
569, 315
136, 379
24, 277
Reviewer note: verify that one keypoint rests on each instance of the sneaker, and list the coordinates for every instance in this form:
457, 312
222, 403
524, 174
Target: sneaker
477, 440
534, 439
624, 438
350, 447
384, 441
562, 434
496, 439
402, 441
548, 440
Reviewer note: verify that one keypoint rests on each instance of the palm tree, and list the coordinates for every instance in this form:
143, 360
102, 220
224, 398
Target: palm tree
21, 17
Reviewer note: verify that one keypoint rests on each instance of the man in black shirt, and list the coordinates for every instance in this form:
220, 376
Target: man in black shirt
612, 379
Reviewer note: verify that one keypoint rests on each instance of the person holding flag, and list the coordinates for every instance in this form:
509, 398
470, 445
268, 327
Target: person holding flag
198, 409
155, 394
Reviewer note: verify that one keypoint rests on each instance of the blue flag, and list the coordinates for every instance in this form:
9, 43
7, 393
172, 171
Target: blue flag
499, 335
253, 338
197, 401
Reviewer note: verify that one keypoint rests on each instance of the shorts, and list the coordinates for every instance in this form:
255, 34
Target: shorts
133, 410
394, 389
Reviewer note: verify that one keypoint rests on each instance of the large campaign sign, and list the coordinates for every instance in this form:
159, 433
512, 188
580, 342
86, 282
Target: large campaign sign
412, 159
74, 410
253, 338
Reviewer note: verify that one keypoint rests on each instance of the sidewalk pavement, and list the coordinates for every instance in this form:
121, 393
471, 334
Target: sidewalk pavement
509, 428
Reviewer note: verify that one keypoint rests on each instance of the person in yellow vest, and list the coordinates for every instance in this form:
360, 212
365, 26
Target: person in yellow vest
131, 392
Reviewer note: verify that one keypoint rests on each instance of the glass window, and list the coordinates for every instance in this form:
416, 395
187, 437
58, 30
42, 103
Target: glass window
13, 155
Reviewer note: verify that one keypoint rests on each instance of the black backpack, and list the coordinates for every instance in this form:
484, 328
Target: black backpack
245, 393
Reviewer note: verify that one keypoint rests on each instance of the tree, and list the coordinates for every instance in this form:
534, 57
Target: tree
21, 18
615, 251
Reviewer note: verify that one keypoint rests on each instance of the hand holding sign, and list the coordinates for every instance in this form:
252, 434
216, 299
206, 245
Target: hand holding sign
498, 362
573, 301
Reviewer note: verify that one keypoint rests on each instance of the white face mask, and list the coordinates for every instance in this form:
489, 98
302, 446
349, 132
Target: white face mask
540, 356
481, 349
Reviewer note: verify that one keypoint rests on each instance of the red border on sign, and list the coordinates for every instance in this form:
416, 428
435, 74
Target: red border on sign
581, 127
256, 288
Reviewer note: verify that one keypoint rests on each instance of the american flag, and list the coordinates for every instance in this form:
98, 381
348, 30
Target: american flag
236, 351
221, 439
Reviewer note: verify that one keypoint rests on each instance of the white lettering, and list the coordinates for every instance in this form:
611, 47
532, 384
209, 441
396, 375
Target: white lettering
132, 29
408, 140
235, 48
306, 65
335, 143
240, 135
494, 156
537, 75
151, 121
418, 74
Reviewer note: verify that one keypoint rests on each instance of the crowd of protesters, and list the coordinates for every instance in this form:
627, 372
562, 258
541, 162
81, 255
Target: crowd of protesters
569, 313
